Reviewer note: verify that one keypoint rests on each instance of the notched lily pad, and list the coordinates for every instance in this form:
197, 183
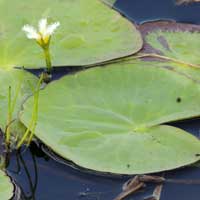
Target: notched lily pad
6, 187
90, 32
177, 41
109, 119
174, 44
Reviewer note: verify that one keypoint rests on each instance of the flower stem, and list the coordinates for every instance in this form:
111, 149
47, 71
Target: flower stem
31, 128
48, 58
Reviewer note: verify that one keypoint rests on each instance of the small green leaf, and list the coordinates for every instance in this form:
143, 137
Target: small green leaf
6, 187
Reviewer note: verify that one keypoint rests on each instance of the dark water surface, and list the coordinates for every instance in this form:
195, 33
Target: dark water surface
41, 178
145, 10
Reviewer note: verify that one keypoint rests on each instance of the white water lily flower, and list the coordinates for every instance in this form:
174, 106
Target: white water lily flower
42, 36
44, 31
31, 33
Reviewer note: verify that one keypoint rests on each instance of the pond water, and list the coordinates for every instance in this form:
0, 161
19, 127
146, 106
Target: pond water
41, 178
145, 10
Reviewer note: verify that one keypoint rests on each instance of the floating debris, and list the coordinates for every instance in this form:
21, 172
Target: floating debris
179, 2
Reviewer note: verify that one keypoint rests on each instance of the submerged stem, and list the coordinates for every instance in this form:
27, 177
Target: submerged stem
9, 117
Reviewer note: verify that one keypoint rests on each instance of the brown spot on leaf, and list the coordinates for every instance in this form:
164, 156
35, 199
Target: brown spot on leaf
128, 166
178, 100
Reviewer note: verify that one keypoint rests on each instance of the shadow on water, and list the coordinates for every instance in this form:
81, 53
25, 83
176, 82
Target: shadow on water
41, 178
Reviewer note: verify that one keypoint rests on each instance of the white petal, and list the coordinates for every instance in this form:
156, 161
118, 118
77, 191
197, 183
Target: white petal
51, 28
30, 31
42, 26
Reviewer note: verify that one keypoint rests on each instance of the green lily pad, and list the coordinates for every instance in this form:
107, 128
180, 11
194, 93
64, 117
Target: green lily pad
169, 41
20, 82
110, 119
6, 187
90, 32
173, 40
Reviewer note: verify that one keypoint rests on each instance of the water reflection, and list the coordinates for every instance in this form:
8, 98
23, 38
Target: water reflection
30, 176
41, 178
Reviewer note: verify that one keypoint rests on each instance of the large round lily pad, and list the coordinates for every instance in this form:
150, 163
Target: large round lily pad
90, 32
109, 119
6, 187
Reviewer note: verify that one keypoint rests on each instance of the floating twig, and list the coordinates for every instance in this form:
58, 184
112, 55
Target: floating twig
179, 2
139, 182
130, 187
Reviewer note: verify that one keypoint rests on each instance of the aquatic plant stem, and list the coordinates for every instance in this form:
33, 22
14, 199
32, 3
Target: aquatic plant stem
28, 176
2, 162
47, 58
31, 128
11, 107
9, 117
14, 101
36, 97
21, 142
